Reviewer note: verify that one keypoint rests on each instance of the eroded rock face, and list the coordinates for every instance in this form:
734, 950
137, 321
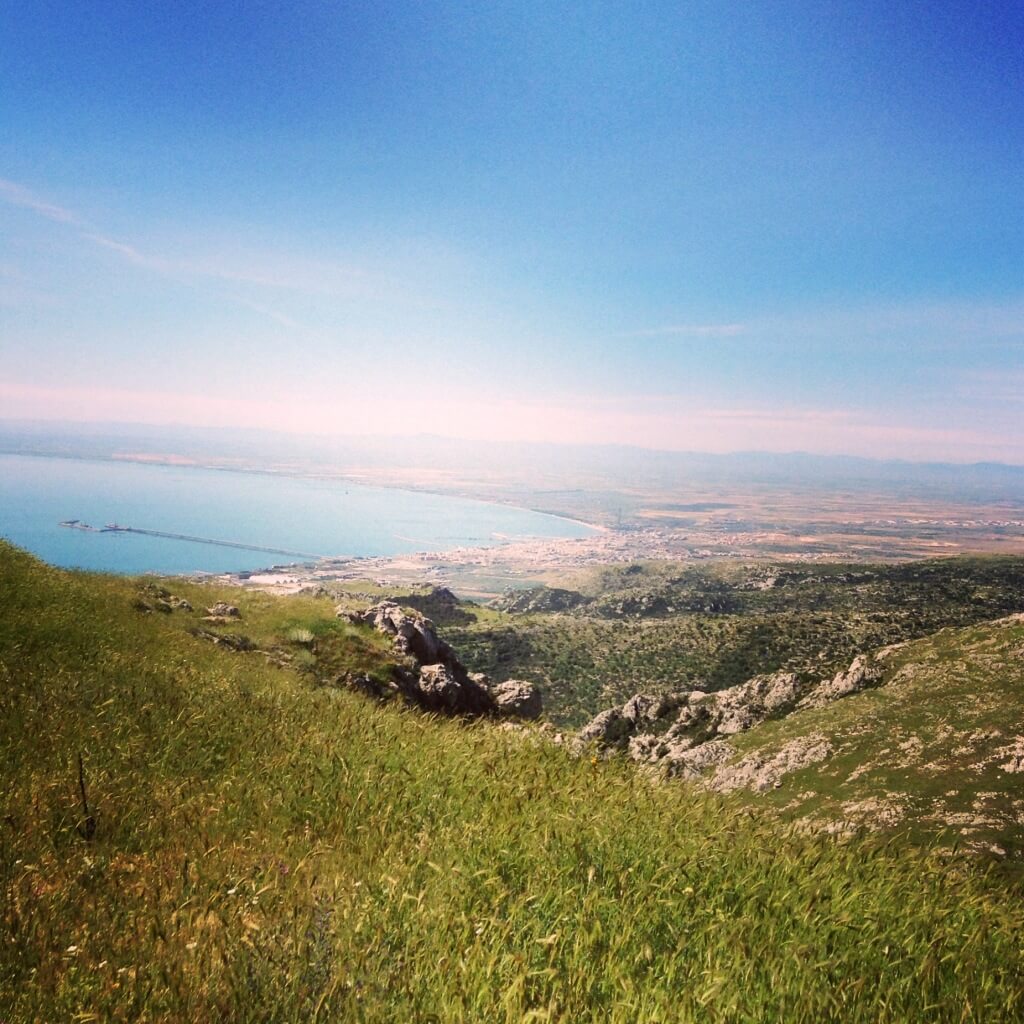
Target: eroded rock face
650, 725
863, 673
440, 681
414, 634
685, 733
518, 698
760, 772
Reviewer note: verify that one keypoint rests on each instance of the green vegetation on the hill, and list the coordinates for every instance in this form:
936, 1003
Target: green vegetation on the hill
933, 748
661, 627
263, 848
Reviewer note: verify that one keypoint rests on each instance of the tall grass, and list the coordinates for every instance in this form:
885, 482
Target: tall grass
266, 850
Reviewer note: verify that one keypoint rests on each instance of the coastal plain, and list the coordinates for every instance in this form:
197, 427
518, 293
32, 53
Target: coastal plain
725, 524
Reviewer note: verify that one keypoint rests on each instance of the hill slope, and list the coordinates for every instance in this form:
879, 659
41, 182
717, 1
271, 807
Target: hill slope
937, 746
926, 735
659, 627
259, 847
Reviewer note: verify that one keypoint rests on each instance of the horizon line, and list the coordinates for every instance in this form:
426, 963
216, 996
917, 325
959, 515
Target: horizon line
478, 443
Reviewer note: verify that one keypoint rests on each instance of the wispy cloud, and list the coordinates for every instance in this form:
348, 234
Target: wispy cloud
273, 314
129, 252
17, 195
688, 331
230, 266
933, 323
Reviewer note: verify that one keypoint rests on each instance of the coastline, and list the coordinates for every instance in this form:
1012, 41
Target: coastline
749, 525
180, 462
381, 540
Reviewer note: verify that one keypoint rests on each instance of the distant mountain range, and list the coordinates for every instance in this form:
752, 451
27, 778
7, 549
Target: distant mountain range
558, 465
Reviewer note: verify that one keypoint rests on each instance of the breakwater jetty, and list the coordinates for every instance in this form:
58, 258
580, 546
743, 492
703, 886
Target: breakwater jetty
118, 528
77, 524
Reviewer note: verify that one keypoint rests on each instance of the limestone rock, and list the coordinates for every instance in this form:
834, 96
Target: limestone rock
155, 598
439, 688
684, 731
231, 641
741, 707
649, 726
414, 634
517, 698
223, 610
864, 672
759, 771
439, 682
608, 729
1015, 753
694, 762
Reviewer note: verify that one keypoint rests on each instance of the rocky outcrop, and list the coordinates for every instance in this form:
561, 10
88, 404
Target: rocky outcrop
863, 673
438, 680
222, 612
517, 698
693, 763
230, 641
686, 733
652, 727
414, 635
443, 689
157, 599
760, 771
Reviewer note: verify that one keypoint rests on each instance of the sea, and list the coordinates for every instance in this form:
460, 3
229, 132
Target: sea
289, 518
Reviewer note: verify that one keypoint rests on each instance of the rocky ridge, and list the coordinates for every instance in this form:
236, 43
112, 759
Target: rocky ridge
686, 733
436, 680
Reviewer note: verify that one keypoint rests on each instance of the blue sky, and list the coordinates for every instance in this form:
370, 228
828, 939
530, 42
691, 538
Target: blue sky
697, 226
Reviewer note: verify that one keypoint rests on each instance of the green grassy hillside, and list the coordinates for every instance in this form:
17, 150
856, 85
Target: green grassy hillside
937, 748
258, 846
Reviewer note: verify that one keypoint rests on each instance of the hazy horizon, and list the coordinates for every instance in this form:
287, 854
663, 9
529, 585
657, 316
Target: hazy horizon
715, 228
126, 439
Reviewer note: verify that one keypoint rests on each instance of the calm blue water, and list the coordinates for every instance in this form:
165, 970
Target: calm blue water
298, 515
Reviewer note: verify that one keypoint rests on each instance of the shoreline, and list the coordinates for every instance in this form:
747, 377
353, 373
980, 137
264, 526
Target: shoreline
754, 526
312, 566
352, 480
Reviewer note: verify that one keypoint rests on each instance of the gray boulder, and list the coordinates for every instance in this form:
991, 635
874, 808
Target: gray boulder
439, 682
517, 698
223, 610
414, 634
446, 690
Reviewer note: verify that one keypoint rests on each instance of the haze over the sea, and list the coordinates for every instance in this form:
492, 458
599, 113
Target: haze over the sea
705, 226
